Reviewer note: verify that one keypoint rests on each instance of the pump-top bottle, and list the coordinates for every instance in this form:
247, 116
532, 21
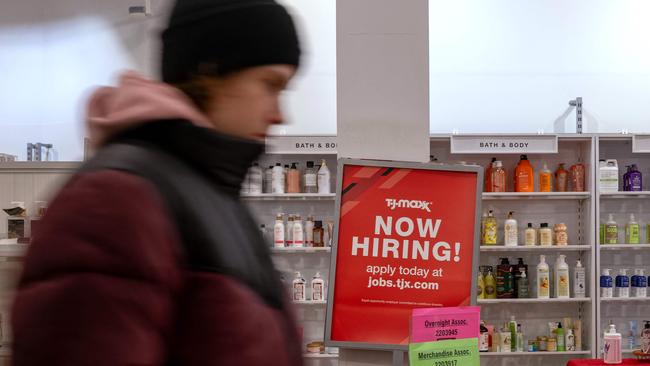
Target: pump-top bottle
278, 232
579, 287
543, 279
324, 179
510, 231
498, 177
487, 187
612, 350
524, 176
562, 278
632, 231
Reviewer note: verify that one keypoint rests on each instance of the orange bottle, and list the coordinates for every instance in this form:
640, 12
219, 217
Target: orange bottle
545, 178
488, 176
561, 179
524, 176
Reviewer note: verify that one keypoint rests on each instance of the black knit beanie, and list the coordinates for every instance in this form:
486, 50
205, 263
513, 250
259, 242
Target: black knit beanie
217, 37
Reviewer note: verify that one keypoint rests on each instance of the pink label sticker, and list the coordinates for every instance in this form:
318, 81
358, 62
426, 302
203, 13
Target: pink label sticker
433, 324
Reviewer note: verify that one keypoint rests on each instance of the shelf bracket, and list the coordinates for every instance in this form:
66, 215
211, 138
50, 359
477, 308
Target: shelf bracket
578, 104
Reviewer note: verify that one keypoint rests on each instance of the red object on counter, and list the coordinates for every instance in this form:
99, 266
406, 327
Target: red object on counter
584, 362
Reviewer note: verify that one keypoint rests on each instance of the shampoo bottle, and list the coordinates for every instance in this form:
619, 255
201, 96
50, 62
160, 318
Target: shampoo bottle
522, 285
510, 231
278, 179
298, 233
632, 231
498, 177
635, 179
293, 179
268, 180
562, 279
488, 176
530, 235
490, 229
278, 232
524, 176
561, 179
309, 231
622, 284
612, 351
480, 286
611, 231
545, 181
298, 287
579, 286
288, 239
310, 179
512, 326
570, 340
505, 280
317, 288
543, 281
490, 284
324, 179
559, 332
606, 284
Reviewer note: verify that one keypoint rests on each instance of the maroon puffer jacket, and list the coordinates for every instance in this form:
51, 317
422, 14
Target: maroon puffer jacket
109, 280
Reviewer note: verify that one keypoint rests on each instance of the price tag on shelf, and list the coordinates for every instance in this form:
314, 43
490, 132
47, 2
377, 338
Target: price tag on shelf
504, 144
641, 143
457, 352
301, 145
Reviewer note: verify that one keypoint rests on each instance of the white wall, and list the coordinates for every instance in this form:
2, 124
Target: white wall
52, 53
507, 65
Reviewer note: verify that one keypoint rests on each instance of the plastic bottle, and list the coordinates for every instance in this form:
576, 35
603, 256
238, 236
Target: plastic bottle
622, 284
288, 239
278, 183
545, 235
480, 286
631, 336
608, 175
298, 287
487, 187
490, 284
606, 284
612, 351
645, 337
309, 231
505, 280
579, 286
570, 340
319, 234
545, 180
577, 177
559, 332
517, 273
324, 179
278, 232
506, 339
293, 179
562, 278
490, 229
635, 180
543, 281
317, 288
484, 338
510, 231
522, 285
632, 231
512, 327
639, 283
298, 236
520, 339
611, 231
268, 180
310, 178
255, 179
530, 235
498, 177
561, 179
524, 176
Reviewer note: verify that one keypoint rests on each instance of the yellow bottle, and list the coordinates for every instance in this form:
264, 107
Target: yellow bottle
490, 284
480, 289
490, 229
545, 179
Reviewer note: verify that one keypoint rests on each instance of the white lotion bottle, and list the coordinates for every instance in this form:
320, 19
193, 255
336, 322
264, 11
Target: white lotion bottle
317, 288
510, 231
324, 179
278, 183
579, 286
562, 278
298, 233
309, 231
278, 232
298, 287
543, 281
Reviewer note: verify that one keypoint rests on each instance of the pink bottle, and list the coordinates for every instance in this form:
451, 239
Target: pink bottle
612, 352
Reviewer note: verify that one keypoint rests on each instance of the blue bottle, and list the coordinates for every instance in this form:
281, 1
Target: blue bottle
622, 284
606, 285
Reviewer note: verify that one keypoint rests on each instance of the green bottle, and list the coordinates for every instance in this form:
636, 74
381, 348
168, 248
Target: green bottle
611, 231
632, 231
561, 344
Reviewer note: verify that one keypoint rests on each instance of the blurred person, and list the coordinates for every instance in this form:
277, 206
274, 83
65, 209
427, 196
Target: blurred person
147, 256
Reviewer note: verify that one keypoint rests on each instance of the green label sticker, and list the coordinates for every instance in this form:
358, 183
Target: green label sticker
454, 352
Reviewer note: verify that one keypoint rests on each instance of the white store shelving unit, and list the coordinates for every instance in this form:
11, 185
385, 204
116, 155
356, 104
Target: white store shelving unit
575, 209
300, 149
621, 311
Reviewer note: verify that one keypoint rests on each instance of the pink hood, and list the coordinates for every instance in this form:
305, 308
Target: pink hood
136, 101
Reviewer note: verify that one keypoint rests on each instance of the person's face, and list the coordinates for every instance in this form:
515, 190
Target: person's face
246, 103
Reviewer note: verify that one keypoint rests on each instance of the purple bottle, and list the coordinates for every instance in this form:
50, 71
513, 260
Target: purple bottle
635, 179
626, 179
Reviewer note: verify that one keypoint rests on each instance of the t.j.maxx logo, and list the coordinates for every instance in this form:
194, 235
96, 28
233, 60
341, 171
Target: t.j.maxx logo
393, 204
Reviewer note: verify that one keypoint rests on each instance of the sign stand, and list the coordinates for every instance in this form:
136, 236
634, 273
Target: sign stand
398, 358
